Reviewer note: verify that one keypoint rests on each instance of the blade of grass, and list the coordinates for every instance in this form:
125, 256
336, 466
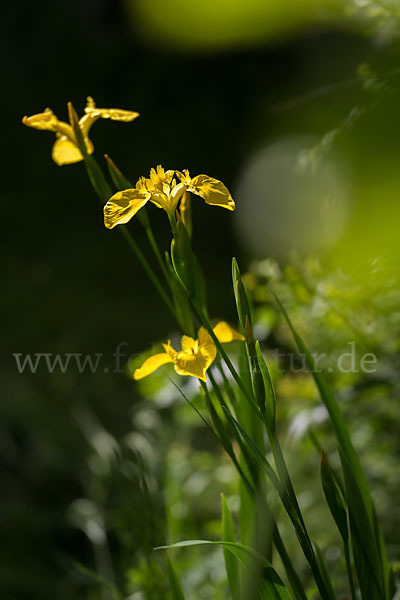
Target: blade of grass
292, 509
228, 535
271, 586
175, 586
224, 355
373, 574
249, 508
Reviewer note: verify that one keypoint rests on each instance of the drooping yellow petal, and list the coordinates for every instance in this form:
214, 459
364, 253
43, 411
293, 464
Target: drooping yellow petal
152, 364
92, 113
119, 114
123, 206
65, 152
46, 120
225, 333
211, 190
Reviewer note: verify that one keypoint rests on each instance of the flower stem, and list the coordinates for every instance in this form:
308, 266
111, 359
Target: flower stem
103, 190
349, 568
157, 253
146, 266
224, 355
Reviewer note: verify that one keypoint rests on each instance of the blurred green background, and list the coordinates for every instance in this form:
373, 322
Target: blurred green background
294, 106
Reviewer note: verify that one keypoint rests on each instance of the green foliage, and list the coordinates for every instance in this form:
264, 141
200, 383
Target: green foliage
154, 470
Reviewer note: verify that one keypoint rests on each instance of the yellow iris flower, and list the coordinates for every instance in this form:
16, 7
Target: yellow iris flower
66, 149
164, 190
195, 357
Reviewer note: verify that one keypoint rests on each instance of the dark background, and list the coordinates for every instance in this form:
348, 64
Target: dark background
68, 284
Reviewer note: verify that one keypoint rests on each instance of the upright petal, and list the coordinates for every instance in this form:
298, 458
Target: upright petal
189, 344
158, 177
204, 337
225, 333
206, 345
152, 364
212, 191
123, 206
169, 350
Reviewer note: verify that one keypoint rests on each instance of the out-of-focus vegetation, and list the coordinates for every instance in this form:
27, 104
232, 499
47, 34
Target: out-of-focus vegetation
297, 111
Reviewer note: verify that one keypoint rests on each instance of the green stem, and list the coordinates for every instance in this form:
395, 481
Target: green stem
103, 190
349, 568
157, 253
292, 576
143, 261
172, 220
298, 521
228, 388
231, 453
290, 571
224, 355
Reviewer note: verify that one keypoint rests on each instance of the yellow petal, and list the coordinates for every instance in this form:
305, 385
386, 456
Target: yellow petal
158, 177
46, 120
177, 192
123, 206
225, 333
191, 364
169, 350
65, 152
115, 114
206, 344
152, 364
183, 176
189, 344
212, 191
92, 114
90, 103
204, 337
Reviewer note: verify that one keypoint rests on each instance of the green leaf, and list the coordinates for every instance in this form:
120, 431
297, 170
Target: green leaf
228, 535
182, 259
175, 586
365, 550
97, 179
181, 303
270, 587
334, 497
219, 427
292, 510
324, 572
369, 550
256, 452
100, 580
269, 398
242, 301
118, 178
